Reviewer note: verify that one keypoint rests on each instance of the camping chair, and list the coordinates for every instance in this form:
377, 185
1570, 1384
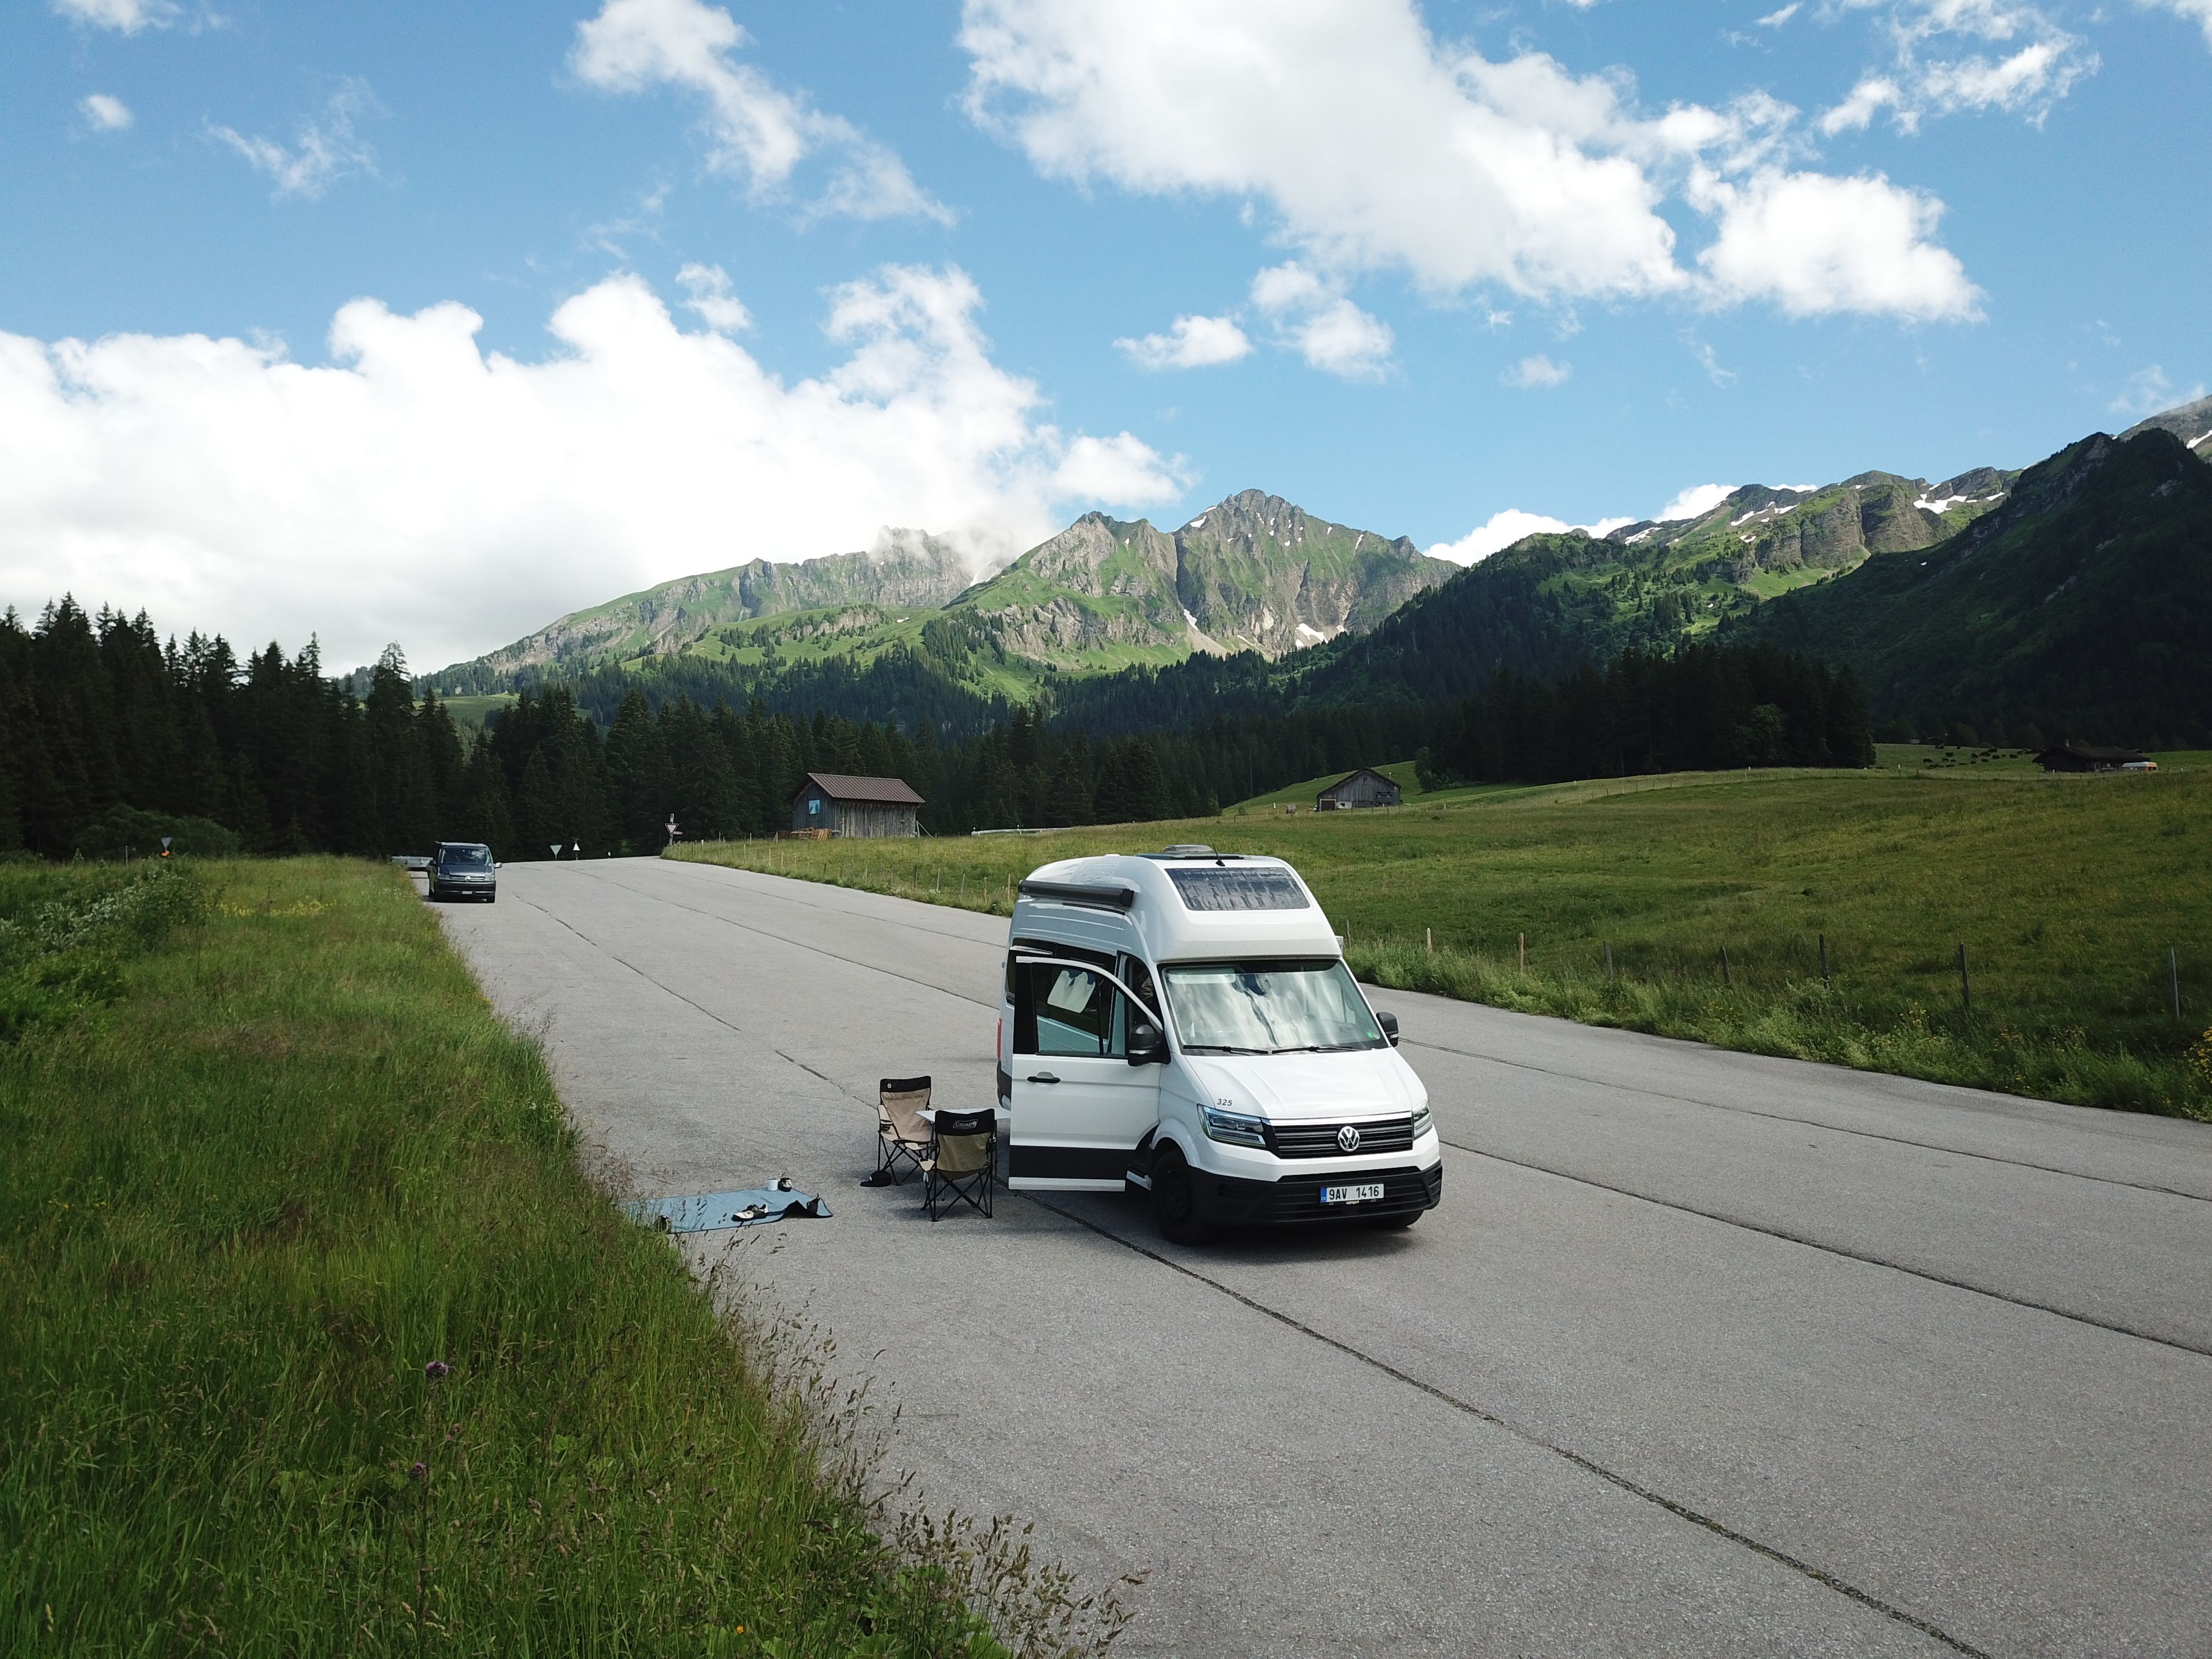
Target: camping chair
966, 1164
902, 1132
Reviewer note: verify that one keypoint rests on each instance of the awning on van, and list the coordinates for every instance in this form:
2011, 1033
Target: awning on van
1100, 897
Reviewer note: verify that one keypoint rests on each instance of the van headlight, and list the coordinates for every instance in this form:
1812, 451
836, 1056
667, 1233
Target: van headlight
1424, 1119
1233, 1127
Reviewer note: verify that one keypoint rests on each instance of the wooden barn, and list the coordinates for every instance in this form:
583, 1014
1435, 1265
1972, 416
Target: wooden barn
831, 803
1365, 788
2089, 758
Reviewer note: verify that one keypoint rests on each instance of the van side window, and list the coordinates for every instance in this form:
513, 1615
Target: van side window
1066, 1011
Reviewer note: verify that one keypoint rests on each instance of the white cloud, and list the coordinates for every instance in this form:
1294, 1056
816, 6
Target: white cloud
2196, 11
327, 148
759, 133
1694, 502
104, 112
1538, 371
1312, 316
419, 489
711, 299
1189, 342
1709, 359
2148, 392
1775, 20
1814, 244
1373, 146
1937, 68
1503, 529
1872, 96
124, 16
1225, 97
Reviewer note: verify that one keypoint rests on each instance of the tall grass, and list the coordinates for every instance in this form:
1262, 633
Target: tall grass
313, 1340
1799, 1017
2066, 893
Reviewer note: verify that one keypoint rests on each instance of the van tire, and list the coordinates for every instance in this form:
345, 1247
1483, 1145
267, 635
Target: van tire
1175, 1199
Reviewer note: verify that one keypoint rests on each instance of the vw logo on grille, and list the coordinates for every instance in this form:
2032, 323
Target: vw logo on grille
1348, 1138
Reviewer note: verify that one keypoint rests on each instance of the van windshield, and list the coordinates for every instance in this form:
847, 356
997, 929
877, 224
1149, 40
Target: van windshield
1268, 1007
465, 858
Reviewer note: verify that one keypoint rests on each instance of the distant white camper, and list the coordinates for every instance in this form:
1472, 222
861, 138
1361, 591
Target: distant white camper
1183, 1022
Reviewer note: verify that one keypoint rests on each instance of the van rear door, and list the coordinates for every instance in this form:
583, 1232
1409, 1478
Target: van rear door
1079, 1108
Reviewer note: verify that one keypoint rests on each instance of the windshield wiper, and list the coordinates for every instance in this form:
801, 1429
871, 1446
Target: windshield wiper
1223, 1049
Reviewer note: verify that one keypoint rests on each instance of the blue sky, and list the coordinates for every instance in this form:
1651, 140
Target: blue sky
427, 323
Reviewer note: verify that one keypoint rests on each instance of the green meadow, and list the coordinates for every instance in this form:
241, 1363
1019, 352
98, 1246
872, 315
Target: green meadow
316, 1341
1613, 902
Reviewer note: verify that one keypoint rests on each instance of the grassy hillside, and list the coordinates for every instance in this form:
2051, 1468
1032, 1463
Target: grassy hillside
2066, 893
317, 1341
2082, 608
1301, 795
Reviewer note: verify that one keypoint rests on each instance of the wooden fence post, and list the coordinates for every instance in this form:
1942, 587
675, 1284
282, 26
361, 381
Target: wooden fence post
1726, 979
2173, 981
1824, 958
1609, 959
1523, 949
1966, 984
1428, 941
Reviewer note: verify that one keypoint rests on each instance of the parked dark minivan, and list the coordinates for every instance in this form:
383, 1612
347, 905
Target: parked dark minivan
464, 869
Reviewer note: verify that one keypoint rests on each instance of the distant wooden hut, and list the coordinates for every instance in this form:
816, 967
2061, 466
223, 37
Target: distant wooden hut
2089, 758
830, 803
1365, 788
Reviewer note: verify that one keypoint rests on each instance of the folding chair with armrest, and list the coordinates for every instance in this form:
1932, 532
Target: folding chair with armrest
966, 1166
903, 1136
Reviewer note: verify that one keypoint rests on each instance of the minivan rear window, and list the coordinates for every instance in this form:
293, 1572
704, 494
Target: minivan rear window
1215, 888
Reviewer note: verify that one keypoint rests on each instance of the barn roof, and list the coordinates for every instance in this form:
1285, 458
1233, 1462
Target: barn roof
1363, 772
882, 791
2096, 754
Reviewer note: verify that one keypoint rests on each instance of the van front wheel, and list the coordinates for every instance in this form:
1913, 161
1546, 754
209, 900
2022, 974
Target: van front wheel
1175, 1199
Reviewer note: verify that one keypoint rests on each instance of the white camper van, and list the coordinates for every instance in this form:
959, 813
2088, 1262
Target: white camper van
1183, 1022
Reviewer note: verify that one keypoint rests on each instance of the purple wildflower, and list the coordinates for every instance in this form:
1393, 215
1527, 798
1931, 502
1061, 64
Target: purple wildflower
437, 1369
421, 1471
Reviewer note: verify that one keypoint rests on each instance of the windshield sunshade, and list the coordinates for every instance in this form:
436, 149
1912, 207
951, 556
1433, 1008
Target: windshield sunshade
1268, 1007
1217, 889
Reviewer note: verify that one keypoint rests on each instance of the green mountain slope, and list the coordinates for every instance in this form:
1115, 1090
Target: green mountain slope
1254, 572
2081, 608
905, 571
1549, 602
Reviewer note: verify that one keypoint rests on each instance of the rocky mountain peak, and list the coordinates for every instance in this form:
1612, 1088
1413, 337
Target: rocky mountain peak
2191, 422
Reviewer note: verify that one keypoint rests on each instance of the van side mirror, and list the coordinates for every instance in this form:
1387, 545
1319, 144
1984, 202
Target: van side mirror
1389, 1024
1146, 1046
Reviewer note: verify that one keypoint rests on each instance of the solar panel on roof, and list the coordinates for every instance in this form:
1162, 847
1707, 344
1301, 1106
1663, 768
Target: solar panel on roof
1217, 889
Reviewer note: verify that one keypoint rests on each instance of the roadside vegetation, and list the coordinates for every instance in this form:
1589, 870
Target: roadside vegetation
314, 1340
2066, 893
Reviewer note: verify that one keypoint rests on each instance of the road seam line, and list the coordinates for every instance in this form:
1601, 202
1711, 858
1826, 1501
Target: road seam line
671, 991
1721, 1528
1835, 1250
850, 962
1806, 1122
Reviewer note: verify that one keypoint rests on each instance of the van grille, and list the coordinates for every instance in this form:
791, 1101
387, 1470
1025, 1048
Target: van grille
1376, 1134
1297, 1198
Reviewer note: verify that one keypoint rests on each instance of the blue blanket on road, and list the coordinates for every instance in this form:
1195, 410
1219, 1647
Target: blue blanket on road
753, 1206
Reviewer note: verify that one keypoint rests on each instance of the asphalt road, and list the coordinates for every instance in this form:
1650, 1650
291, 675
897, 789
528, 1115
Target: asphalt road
1702, 1353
